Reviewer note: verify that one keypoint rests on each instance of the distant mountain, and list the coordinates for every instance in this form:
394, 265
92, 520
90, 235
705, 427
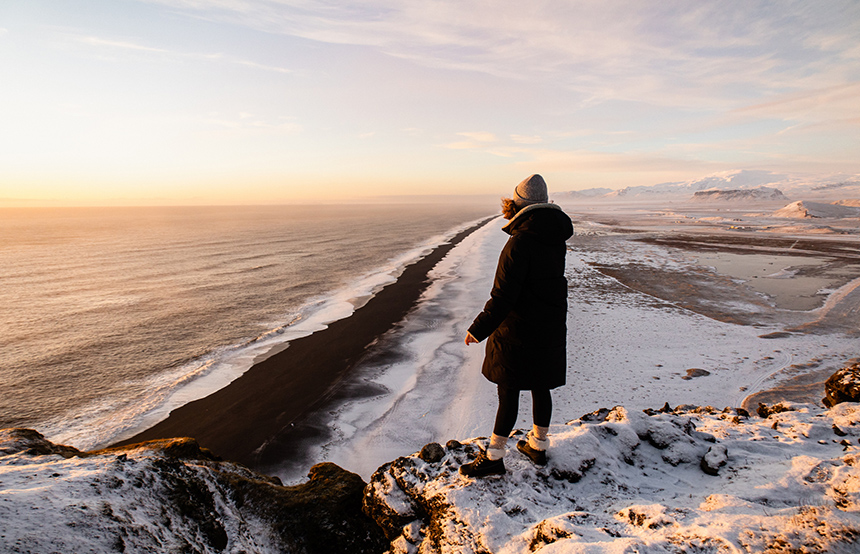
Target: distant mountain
587, 193
804, 209
739, 195
826, 188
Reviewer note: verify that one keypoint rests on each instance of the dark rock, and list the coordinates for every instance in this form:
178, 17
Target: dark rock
197, 492
453, 445
33, 443
714, 459
389, 519
843, 386
695, 372
572, 475
839, 432
180, 449
666, 409
432, 453
597, 416
775, 335
739, 413
766, 411
323, 515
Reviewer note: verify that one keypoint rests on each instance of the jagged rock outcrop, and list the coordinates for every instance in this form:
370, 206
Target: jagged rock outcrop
33, 443
678, 479
172, 495
843, 386
430, 507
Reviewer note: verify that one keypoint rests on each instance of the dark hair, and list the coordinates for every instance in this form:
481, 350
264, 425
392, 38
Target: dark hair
509, 208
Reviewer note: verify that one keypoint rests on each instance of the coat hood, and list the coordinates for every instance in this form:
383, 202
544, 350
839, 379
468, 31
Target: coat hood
547, 222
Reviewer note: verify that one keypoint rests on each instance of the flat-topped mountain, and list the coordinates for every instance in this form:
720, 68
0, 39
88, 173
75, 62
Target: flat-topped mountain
738, 195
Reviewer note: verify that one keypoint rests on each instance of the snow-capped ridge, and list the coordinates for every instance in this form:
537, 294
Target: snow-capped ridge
848, 202
806, 209
816, 187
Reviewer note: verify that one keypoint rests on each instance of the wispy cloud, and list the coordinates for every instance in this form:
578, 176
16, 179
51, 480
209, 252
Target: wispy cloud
246, 122
815, 104
667, 53
262, 66
461, 145
141, 48
477, 139
479, 136
123, 45
587, 161
523, 139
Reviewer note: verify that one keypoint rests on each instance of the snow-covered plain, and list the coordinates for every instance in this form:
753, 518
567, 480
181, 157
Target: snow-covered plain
625, 348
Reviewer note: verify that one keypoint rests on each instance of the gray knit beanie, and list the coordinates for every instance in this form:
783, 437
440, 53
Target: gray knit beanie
531, 191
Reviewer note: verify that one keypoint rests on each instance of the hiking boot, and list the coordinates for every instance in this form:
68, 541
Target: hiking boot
482, 466
532, 449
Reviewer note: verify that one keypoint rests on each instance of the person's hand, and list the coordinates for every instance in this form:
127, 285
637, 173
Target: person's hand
470, 339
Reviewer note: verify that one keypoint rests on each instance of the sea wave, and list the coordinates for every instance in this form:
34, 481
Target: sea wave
110, 420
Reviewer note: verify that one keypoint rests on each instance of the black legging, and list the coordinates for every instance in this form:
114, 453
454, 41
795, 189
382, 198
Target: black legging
509, 400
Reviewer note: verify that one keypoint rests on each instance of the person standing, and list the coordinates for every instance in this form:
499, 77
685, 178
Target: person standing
525, 322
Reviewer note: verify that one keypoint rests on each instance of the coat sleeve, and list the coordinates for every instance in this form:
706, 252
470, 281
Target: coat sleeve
507, 286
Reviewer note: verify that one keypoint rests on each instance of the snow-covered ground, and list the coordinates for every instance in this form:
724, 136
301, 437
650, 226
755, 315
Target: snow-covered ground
619, 481
625, 348
622, 482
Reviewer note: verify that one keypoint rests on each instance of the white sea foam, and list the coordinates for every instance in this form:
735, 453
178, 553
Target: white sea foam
112, 419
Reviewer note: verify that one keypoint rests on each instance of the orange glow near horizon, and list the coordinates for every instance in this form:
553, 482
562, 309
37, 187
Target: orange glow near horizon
207, 102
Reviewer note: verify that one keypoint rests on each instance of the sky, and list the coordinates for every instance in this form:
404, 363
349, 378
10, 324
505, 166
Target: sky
106, 102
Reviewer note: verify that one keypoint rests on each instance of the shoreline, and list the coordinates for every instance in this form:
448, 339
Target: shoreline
253, 419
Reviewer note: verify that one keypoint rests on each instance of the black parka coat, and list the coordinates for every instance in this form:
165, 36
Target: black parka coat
525, 318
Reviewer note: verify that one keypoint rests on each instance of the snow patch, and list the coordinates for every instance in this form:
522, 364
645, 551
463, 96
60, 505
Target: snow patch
619, 481
806, 209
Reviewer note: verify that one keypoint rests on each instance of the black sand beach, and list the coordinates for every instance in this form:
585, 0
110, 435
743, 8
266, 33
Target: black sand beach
250, 420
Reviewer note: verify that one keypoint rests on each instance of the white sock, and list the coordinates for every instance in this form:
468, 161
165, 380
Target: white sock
496, 449
538, 438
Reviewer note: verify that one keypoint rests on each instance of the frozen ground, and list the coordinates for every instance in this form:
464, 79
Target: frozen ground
626, 482
617, 481
692, 333
673, 307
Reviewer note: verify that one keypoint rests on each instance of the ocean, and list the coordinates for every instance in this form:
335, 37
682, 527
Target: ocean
111, 317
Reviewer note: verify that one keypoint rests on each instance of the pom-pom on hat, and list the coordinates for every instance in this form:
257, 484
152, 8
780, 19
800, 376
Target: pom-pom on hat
532, 190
